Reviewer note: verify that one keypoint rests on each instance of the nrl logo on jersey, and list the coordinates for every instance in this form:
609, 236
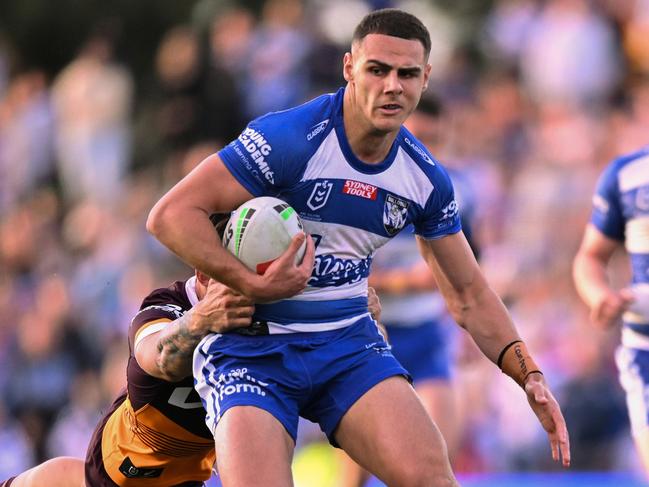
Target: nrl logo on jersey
395, 212
319, 195
316, 129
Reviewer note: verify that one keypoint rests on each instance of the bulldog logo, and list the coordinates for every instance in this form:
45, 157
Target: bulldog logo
395, 212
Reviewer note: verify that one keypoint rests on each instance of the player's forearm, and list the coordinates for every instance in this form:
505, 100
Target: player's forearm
175, 346
591, 279
495, 334
189, 234
483, 315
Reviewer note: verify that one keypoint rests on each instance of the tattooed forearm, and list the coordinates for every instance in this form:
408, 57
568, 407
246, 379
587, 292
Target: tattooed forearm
175, 348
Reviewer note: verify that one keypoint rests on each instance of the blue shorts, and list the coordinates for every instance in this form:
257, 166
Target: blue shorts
425, 351
315, 375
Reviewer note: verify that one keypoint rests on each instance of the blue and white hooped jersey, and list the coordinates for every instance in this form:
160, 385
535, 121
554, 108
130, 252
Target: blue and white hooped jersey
621, 212
350, 208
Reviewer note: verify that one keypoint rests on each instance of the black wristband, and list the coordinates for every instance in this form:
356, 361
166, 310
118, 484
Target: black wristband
504, 350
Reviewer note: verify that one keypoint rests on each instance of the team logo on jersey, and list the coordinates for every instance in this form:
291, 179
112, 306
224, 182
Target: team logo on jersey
395, 212
356, 188
316, 129
642, 199
319, 195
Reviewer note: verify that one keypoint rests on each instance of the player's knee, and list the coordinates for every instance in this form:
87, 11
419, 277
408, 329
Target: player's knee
428, 477
433, 471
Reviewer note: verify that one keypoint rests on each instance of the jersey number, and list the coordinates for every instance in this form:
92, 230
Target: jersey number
179, 398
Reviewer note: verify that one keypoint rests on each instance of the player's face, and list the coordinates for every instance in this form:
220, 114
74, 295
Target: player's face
387, 76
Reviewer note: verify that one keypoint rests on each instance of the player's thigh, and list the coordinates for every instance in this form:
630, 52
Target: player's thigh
389, 432
57, 472
253, 449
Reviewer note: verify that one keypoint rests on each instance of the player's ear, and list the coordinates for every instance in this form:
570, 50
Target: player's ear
204, 279
348, 67
427, 70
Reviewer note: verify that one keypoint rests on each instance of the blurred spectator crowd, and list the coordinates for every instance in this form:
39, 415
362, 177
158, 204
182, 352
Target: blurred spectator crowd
538, 96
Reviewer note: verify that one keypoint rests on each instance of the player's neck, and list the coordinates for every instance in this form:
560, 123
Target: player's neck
368, 144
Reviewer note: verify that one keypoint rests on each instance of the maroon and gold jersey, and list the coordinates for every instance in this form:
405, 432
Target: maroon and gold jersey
154, 433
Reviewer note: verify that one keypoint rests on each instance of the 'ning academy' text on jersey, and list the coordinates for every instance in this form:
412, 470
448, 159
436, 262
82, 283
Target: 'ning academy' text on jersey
349, 207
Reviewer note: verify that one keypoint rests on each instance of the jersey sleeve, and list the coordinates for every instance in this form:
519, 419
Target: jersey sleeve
441, 215
158, 309
262, 157
607, 209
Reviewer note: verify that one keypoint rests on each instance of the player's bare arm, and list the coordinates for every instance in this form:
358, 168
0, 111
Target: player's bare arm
373, 304
589, 272
184, 211
167, 354
477, 308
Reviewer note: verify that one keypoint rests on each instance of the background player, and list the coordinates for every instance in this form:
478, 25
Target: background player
620, 219
357, 178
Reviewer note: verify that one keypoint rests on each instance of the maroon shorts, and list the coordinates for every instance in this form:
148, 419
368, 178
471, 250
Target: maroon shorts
96, 475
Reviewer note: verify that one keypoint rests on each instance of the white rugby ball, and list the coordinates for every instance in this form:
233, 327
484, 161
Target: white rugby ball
260, 230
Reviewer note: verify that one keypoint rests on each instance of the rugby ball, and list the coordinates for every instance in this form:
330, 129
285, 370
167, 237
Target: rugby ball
260, 230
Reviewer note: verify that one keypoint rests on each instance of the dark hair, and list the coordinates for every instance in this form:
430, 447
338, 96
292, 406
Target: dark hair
393, 22
220, 220
430, 105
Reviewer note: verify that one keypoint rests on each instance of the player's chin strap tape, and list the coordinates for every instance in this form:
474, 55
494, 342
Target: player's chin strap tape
515, 361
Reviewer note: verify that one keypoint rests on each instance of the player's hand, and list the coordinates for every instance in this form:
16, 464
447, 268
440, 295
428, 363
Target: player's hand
373, 304
285, 278
222, 310
608, 309
547, 410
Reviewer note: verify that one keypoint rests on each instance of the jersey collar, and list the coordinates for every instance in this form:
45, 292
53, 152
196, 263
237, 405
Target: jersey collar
190, 290
346, 149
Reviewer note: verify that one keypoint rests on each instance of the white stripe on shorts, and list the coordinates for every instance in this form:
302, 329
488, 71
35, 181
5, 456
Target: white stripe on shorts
205, 380
637, 391
281, 329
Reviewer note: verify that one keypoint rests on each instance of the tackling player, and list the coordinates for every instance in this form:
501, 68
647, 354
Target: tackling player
344, 162
154, 433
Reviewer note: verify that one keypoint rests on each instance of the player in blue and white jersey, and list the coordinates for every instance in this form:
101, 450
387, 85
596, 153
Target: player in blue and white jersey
620, 218
357, 178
